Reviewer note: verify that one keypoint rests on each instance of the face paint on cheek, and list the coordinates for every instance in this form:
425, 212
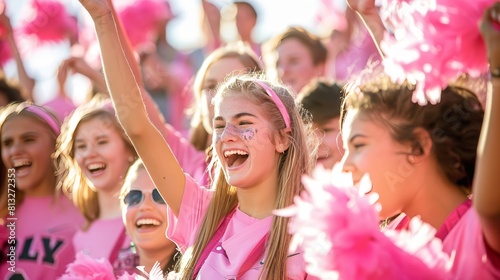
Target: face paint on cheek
248, 134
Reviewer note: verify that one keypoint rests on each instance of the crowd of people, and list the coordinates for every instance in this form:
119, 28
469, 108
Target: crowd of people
177, 165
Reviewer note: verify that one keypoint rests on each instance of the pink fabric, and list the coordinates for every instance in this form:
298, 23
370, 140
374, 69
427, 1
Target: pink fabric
100, 238
192, 161
355, 58
44, 232
61, 106
462, 238
241, 236
466, 242
453, 219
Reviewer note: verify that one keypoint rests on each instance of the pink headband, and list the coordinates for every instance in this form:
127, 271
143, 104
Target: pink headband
44, 115
277, 101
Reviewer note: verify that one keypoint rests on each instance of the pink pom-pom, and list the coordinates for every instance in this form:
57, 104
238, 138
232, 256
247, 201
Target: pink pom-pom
86, 268
433, 42
337, 229
126, 276
48, 21
141, 19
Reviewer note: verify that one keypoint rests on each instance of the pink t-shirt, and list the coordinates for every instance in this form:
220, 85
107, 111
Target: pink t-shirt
241, 236
44, 230
62, 106
192, 161
100, 238
465, 241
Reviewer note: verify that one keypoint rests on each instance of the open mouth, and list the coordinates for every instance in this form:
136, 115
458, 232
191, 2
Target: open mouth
96, 167
235, 157
21, 165
147, 223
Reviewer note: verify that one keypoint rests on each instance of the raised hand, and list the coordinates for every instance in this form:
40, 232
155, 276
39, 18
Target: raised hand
78, 65
362, 6
490, 29
96, 8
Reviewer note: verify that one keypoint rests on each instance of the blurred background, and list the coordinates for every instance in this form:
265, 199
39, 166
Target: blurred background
183, 32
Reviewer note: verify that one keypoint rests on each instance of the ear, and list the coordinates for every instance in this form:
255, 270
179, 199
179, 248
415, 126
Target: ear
282, 140
422, 146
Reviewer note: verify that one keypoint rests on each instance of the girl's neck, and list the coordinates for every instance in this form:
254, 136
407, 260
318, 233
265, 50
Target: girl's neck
259, 201
109, 205
148, 258
437, 199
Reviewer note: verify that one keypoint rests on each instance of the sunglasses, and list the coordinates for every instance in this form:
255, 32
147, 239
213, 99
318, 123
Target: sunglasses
135, 197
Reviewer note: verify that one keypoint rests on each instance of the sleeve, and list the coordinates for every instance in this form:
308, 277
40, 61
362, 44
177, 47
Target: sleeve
472, 257
183, 229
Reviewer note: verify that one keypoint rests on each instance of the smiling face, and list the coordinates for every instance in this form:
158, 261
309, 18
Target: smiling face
101, 153
295, 64
146, 222
330, 150
27, 145
215, 75
369, 148
243, 141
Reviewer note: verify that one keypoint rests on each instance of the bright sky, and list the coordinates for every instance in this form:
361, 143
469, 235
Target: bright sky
183, 32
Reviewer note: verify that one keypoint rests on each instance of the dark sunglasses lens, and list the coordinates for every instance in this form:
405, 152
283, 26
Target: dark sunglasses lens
134, 197
157, 197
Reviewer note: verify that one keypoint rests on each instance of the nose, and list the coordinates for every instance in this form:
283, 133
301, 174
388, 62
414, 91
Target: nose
230, 133
147, 202
346, 162
89, 151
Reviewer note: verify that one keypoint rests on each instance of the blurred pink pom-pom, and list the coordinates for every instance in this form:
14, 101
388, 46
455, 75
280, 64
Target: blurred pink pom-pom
337, 229
141, 19
48, 21
87, 268
433, 42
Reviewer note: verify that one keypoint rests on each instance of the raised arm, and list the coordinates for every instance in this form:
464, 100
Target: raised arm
368, 13
487, 178
126, 94
25, 81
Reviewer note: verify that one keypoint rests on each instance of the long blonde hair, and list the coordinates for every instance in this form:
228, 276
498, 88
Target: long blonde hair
294, 162
72, 180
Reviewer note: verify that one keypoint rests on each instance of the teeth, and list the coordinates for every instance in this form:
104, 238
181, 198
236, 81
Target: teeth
95, 166
21, 163
153, 222
235, 152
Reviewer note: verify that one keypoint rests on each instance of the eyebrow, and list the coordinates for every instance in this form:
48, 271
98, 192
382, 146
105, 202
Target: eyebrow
237, 116
356, 136
99, 137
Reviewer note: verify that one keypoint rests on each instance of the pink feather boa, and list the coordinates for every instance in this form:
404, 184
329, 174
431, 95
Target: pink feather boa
337, 229
433, 42
49, 22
